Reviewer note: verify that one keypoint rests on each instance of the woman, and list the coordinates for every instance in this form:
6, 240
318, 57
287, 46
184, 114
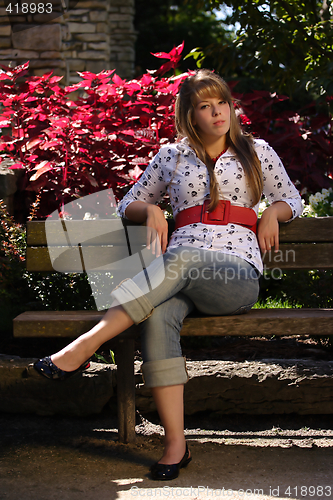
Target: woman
215, 177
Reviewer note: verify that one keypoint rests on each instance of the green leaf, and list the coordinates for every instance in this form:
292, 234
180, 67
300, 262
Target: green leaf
198, 55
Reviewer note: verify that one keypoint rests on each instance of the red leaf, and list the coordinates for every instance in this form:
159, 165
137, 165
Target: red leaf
176, 51
16, 165
128, 132
50, 144
165, 68
161, 55
174, 55
146, 79
32, 143
21, 70
132, 87
41, 165
118, 81
55, 79
105, 73
41, 169
62, 122
73, 88
87, 75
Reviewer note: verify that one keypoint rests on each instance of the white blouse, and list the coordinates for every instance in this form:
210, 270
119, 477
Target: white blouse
177, 171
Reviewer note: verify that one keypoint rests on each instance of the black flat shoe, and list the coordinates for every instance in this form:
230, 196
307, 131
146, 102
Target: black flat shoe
48, 369
164, 472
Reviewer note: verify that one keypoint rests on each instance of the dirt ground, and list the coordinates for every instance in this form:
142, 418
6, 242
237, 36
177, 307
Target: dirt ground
234, 457
237, 457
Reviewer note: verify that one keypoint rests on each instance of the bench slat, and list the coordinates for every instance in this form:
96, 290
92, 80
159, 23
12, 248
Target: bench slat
87, 232
55, 323
38, 258
263, 322
77, 230
257, 322
307, 230
301, 256
105, 241
301, 230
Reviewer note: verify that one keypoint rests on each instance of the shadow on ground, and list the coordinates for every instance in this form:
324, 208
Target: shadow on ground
49, 458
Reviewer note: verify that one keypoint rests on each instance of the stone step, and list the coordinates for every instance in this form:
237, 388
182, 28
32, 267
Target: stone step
267, 386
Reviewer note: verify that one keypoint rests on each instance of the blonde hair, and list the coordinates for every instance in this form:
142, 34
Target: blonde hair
196, 87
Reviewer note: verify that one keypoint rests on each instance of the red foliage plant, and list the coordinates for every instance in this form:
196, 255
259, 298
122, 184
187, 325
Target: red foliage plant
302, 139
105, 138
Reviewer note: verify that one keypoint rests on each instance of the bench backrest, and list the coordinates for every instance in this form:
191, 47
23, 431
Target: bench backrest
305, 243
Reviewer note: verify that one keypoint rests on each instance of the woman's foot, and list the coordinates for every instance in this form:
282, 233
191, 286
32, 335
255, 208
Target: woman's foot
165, 472
68, 360
173, 452
48, 369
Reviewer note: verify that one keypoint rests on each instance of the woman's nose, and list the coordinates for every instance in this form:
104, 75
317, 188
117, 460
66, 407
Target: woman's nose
216, 111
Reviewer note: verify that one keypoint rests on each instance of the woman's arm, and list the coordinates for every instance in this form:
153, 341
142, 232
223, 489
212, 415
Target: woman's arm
157, 226
140, 203
285, 201
268, 228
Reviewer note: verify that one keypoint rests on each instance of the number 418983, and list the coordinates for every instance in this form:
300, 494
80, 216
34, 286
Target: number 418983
29, 8
309, 491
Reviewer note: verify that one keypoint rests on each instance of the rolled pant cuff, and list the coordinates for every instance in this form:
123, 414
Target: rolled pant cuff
131, 298
164, 372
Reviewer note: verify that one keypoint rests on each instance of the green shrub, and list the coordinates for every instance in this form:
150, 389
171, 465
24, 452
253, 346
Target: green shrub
21, 290
299, 288
13, 287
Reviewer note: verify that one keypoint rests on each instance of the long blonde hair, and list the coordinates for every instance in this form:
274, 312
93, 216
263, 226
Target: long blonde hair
198, 86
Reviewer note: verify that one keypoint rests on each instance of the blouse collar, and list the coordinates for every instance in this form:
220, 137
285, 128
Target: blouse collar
184, 146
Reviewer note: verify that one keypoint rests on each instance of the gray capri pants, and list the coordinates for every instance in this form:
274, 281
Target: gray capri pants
160, 297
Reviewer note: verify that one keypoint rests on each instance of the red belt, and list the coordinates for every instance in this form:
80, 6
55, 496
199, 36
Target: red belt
223, 214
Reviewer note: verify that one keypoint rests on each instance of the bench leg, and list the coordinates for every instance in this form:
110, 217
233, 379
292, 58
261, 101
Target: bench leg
126, 390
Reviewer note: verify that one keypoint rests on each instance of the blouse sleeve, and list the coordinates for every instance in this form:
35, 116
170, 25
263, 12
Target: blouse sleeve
150, 188
277, 183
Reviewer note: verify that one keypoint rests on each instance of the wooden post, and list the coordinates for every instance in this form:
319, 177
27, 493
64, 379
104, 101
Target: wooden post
126, 390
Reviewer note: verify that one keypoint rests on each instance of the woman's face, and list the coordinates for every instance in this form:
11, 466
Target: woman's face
211, 118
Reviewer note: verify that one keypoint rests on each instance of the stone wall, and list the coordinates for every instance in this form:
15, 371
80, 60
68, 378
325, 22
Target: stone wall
9, 179
91, 35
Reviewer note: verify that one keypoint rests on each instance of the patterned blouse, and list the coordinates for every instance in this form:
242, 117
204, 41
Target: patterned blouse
177, 171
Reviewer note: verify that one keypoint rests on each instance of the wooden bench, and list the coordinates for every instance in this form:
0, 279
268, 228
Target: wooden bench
306, 243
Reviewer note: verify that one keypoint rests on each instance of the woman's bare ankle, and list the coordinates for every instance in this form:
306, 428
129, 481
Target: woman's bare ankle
174, 451
65, 363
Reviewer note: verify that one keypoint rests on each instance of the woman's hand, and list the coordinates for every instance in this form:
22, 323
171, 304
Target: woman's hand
268, 231
157, 230
157, 226
268, 228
